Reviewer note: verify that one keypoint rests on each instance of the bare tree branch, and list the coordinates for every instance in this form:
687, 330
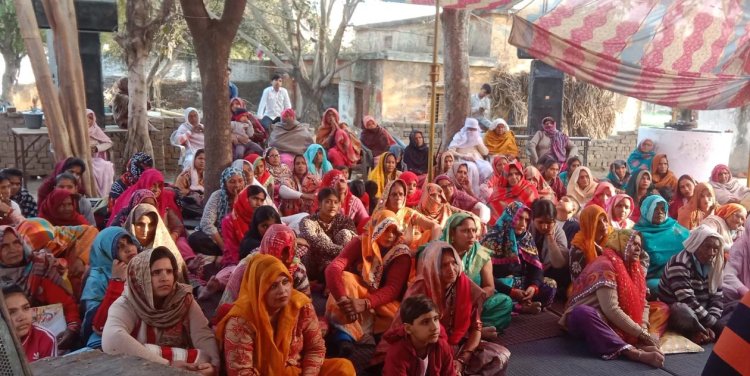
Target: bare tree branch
165, 14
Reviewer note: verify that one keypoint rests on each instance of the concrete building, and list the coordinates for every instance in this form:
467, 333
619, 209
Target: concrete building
391, 80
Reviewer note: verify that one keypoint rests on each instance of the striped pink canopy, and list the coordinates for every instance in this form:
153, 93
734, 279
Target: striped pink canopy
679, 53
465, 4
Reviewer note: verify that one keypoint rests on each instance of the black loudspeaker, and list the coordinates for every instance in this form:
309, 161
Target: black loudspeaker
545, 95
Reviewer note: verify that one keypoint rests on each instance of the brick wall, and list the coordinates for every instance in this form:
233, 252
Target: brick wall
39, 159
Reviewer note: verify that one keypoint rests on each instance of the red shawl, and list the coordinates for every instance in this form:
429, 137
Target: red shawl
49, 209
345, 147
604, 187
241, 215
49, 183
165, 201
253, 158
609, 269
497, 179
377, 139
412, 200
524, 191
329, 181
326, 129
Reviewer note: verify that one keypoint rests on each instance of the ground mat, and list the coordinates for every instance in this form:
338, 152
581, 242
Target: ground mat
688, 364
527, 328
563, 356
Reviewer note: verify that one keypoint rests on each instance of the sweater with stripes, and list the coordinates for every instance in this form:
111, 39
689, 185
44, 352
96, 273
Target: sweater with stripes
682, 282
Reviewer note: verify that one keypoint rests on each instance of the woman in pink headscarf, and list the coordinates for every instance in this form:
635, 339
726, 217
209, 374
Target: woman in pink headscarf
104, 170
342, 153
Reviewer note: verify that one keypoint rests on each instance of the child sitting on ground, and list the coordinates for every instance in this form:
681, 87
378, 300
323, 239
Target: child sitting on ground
419, 346
37, 342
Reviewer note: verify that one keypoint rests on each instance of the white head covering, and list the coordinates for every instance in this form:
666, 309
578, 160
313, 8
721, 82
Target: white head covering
497, 122
474, 179
187, 114
466, 139
583, 196
697, 236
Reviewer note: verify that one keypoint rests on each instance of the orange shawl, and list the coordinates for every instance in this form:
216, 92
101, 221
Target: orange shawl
689, 215
665, 180
504, 144
271, 345
585, 239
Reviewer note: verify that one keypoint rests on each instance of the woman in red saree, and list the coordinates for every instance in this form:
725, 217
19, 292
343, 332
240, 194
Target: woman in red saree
234, 226
328, 126
516, 188
61, 209
152, 180
343, 152
608, 304
441, 277
604, 191
413, 193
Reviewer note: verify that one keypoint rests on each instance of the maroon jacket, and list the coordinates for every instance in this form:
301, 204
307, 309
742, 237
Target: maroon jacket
401, 358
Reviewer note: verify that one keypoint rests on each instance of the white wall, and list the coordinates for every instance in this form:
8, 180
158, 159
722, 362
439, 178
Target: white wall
726, 120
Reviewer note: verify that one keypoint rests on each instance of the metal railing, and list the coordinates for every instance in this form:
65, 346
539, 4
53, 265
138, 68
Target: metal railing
584, 141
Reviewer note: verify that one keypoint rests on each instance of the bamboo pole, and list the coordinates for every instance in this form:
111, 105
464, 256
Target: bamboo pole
433, 84
46, 88
62, 19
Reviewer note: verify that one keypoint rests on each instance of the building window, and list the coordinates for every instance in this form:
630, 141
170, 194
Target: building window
388, 42
430, 40
439, 107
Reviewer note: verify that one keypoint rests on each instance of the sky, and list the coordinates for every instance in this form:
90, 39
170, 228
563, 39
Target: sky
372, 11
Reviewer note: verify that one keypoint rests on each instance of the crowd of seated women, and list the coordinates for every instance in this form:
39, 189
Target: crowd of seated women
430, 272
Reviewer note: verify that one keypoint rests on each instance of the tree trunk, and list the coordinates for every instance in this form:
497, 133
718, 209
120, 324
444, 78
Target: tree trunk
10, 76
136, 42
62, 18
214, 85
212, 39
48, 93
312, 104
455, 71
138, 137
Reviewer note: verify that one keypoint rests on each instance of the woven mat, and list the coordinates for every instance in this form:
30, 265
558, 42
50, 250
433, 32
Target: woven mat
527, 328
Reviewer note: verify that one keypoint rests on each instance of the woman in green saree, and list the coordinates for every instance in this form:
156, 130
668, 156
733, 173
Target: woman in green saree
461, 232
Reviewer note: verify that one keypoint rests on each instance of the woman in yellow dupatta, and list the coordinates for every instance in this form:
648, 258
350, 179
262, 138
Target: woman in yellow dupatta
365, 302
588, 243
272, 328
384, 172
418, 228
500, 140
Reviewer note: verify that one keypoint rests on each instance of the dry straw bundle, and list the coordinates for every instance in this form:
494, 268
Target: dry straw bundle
587, 110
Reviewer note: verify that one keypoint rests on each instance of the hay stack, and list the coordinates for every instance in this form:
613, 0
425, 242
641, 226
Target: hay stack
587, 110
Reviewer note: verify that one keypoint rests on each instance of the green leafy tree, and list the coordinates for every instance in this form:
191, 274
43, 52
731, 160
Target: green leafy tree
11, 47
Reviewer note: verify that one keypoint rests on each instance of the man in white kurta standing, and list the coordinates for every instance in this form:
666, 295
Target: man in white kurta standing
480, 106
274, 100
